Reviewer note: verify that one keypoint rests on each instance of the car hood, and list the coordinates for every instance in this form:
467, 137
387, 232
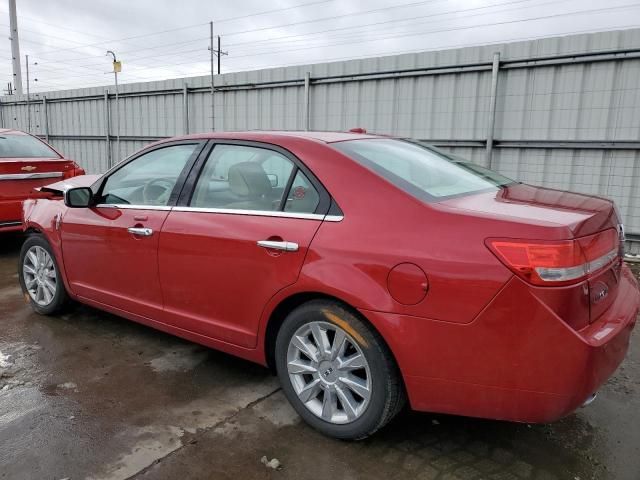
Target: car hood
73, 182
521, 203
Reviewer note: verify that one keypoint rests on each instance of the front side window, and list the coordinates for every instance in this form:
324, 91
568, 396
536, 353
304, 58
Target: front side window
24, 146
148, 179
421, 171
243, 178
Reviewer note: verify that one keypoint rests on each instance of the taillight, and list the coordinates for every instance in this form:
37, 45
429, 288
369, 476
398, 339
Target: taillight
74, 171
557, 262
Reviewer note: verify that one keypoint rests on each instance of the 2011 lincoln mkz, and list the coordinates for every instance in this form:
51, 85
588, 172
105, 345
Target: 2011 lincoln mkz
369, 272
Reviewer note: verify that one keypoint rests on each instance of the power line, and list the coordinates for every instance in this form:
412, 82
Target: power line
242, 17
440, 47
330, 30
451, 29
182, 28
444, 47
335, 17
385, 22
125, 38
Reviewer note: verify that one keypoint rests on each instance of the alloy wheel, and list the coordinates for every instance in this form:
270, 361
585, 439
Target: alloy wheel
40, 277
329, 372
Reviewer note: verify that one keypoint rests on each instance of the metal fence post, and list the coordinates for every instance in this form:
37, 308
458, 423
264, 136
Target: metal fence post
492, 107
307, 93
185, 107
45, 122
107, 127
1, 114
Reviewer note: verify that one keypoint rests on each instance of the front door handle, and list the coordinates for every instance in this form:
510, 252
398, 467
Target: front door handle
140, 231
285, 246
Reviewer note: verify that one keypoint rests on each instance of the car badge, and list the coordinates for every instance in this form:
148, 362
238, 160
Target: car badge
599, 292
29, 168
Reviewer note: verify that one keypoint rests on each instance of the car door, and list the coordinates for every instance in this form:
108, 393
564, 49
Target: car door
240, 235
110, 250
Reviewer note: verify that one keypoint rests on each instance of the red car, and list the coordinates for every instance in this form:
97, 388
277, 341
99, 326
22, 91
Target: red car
365, 270
26, 162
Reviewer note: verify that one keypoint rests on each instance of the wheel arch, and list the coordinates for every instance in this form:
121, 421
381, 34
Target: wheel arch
288, 304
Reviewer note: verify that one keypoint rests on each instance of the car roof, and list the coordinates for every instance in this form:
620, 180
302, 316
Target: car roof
275, 136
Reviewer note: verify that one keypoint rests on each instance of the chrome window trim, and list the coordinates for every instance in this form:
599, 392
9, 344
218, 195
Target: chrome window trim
227, 211
257, 213
134, 207
30, 176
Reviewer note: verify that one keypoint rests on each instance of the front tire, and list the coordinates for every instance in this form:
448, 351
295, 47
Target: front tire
336, 371
40, 277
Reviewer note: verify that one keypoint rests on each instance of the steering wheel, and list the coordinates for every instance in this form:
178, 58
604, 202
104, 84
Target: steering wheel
157, 191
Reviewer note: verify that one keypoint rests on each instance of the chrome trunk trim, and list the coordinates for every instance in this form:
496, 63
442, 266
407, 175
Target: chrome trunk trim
30, 176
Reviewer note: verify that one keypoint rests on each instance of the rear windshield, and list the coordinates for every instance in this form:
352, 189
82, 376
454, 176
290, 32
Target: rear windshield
423, 171
24, 146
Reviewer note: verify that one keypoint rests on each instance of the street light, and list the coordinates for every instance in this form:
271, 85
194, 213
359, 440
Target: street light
117, 67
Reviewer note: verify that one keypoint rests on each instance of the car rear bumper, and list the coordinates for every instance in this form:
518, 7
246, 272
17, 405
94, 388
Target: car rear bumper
11, 211
10, 215
516, 361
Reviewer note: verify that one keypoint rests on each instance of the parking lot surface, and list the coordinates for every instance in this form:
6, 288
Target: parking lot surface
90, 395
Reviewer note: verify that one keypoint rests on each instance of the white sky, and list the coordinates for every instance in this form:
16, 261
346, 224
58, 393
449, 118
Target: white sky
158, 39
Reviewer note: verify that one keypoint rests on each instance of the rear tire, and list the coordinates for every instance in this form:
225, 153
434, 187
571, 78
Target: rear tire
336, 371
40, 277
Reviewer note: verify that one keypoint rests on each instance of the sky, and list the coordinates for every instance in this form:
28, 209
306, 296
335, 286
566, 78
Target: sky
67, 40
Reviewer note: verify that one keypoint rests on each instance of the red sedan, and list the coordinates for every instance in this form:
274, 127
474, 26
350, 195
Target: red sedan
367, 271
26, 162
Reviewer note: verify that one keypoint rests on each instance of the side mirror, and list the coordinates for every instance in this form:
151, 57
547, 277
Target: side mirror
79, 197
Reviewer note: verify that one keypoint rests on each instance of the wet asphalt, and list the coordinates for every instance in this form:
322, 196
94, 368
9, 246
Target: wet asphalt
90, 395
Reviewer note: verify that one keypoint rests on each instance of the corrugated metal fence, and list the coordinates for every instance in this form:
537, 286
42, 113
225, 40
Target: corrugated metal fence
561, 112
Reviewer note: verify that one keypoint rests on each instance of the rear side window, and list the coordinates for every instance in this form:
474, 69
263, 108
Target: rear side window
420, 171
24, 146
303, 197
240, 177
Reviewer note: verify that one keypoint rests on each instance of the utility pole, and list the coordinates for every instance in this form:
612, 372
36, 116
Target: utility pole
26, 59
15, 47
213, 104
117, 66
219, 54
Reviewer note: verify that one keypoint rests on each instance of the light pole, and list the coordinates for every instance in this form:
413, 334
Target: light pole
117, 67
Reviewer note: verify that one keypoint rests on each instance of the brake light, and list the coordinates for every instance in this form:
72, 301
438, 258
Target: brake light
74, 171
559, 262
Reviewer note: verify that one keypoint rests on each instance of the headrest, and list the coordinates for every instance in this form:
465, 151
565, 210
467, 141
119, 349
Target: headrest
248, 179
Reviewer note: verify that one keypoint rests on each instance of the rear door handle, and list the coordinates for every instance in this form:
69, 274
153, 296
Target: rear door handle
285, 246
140, 231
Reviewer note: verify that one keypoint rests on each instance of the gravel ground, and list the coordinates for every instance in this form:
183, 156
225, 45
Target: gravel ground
89, 395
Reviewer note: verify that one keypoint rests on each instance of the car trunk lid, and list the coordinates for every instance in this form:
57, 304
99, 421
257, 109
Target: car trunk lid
19, 176
546, 215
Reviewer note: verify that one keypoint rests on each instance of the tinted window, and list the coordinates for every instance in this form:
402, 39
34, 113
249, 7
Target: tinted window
418, 170
243, 178
24, 146
149, 179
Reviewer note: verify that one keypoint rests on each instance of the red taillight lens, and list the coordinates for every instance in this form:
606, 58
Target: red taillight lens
560, 262
74, 171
